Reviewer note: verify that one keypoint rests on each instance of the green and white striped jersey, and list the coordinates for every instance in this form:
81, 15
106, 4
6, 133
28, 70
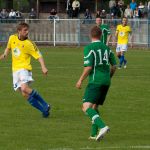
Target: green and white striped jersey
99, 57
105, 32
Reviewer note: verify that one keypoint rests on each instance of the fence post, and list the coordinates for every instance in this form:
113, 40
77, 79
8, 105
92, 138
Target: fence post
148, 24
54, 33
78, 32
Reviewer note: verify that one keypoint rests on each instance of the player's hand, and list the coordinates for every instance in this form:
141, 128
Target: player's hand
44, 70
78, 84
1, 57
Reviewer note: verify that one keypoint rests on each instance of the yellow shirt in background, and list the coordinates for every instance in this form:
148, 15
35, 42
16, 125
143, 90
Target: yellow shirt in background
123, 34
22, 52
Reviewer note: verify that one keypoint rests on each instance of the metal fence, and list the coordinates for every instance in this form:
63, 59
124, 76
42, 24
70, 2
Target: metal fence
73, 31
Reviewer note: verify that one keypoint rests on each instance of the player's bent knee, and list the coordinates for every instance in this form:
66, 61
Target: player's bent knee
26, 89
83, 109
86, 106
25, 95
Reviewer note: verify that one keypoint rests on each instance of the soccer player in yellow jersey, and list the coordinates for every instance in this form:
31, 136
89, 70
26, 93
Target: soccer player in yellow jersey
122, 33
22, 49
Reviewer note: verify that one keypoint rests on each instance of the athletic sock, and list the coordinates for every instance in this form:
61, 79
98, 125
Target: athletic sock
94, 128
125, 61
37, 96
35, 103
95, 117
121, 60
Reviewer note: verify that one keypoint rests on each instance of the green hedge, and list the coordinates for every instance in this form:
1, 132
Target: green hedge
22, 5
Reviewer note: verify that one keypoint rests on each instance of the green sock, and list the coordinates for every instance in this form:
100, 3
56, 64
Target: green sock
94, 128
95, 117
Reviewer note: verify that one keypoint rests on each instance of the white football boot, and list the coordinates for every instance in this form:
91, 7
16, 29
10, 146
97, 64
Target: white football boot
102, 132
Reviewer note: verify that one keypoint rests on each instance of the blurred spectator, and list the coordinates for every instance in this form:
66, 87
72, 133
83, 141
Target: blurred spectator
18, 14
115, 11
0, 14
133, 5
113, 21
4, 15
12, 14
69, 9
32, 14
121, 7
128, 13
137, 13
148, 10
98, 14
136, 16
53, 15
148, 5
112, 4
76, 8
103, 14
87, 16
142, 9
121, 3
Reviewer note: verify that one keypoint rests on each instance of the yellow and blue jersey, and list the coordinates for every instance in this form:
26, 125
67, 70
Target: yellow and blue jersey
123, 34
22, 52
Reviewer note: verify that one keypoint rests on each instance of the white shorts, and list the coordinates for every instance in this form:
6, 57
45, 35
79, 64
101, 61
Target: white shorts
121, 47
20, 77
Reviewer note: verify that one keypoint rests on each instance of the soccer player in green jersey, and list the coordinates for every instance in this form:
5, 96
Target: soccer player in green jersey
106, 33
97, 61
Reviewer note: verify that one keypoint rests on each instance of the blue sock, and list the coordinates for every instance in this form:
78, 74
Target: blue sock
119, 56
125, 61
39, 98
35, 103
121, 60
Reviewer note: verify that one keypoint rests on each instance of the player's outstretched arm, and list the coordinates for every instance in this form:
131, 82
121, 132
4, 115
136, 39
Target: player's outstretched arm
115, 38
5, 54
43, 67
131, 38
85, 73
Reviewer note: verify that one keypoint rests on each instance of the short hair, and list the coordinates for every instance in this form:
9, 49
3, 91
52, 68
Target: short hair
99, 17
124, 18
22, 25
95, 32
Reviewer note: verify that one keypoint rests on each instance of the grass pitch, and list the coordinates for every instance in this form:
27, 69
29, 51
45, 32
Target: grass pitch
126, 109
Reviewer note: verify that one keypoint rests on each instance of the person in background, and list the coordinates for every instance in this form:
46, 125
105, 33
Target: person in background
76, 8
122, 35
106, 33
112, 4
69, 9
128, 13
87, 16
98, 14
133, 5
18, 14
53, 15
32, 14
